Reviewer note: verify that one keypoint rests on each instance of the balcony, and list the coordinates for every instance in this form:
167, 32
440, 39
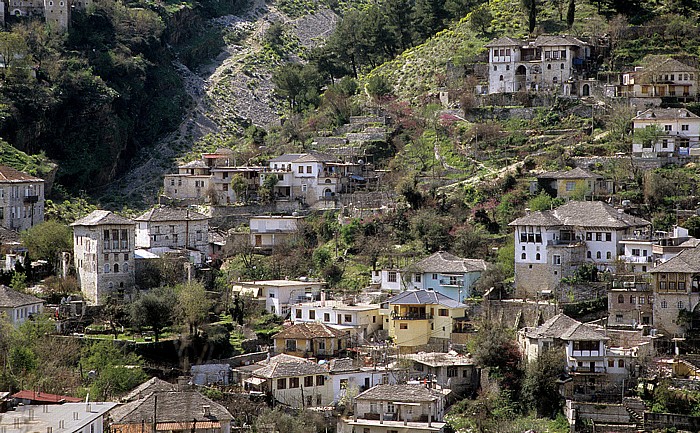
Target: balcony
412, 317
636, 259
31, 199
452, 282
586, 369
587, 354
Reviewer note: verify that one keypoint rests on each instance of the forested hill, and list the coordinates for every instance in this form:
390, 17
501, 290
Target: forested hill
104, 88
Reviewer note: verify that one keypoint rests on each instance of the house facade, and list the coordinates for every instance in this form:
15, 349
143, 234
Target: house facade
445, 273
362, 320
546, 63
660, 77
267, 232
18, 307
630, 303
675, 132
552, 244
311, 340
350, 379
163, 229
450, 370
21, 199
576, 182
388, 408
279, 295
59, 418
415, 318
103, 255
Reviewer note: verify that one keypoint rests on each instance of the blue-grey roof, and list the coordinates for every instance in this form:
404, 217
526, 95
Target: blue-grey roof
424, 297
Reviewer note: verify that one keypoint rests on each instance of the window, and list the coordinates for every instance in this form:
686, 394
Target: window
681, 286
320, 380
500, 78
373, 407
549, 66
495, 68
635, 252
321, 345
608, 237
319, 399
304, 187
556, 259
442, 312
326, 317
685, 127
403, 326
570, 185
598, 236
633, 300
116, 268
125, 267
297, 313
668, 128
291, 345
597, 255
308, 169
301, 169
282, 383
391, 277
390, 408
435, 277
561, 66
641, 300
608, 255
507, 67
620, 299
106, 268
309, 400
537, 256
618, 318
621, 363
523, 256
554, 80
664, 304
611, 363
680, 305
294, 382
664, 143
312, 314
348, 318
451, 371
417, 278
308, 381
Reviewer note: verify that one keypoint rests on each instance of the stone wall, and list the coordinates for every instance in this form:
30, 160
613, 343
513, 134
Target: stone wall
226, 217
518, 313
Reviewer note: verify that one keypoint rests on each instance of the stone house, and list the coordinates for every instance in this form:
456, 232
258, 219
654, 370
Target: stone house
103, 255
389, 408
568, 183
361, 320
444, 273
660, 76
267, 232
453, 371
415, 318
546, 63
678, 133
676, 288
350, 379
21, 199
164, 229
277, 296
312, 339
56, 13
552, 244
18, 307
630, 303
291, 381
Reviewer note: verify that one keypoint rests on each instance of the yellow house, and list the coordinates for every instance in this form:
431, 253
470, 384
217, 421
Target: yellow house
311, 339
415, 318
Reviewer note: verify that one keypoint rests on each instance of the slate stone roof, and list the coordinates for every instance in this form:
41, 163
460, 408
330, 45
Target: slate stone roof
287, 157
687, 261
665, 114
582, 214
197, 163
401, 393
556, 40
152, 385
564, 327
303, 157
575, 173
504, 42
444, 262
12, 299
341, 365
9, 174
583, 332
284, 365
170, 406
311, 330
99, 217
440, 359
424, 297
163, 213
656, 63
8, 236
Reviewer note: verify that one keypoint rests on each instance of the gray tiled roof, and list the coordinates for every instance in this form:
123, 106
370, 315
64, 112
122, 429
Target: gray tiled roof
162, 213
12, 299
583, 332
309, 330
660, 63
553, 328
287, 157
556, 40
99, 217
8, 236
504, 42
197, 163
445, 262
342, 365
153, 384
401, 393
687, 261
9, 174
665, 114
424, 297
582, 214
575, 173
284, 365
438, 359
170, 406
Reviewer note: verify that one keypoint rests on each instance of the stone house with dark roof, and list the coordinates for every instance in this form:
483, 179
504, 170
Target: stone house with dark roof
164, 229
456, 372
103, 255
290, 380
311, 339
658, 77
552, 244
415, 318
444, 273
18, 307
576, 181
21, 199
676, 288
678, 133
385, 408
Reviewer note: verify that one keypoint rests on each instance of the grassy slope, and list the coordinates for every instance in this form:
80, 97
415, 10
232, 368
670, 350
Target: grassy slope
36, 165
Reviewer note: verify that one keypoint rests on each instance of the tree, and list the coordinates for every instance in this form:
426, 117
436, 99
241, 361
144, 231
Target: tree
240, 187
480, 19
531, 10
570, 13
540, 387
494, 346
114, 314
428, 18
13, 49
47, 241
378, 86
153, 309
267, 190
192, 304
116, 372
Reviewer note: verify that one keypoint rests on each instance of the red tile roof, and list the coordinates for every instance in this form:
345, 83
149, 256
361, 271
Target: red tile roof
45, 397
9, 174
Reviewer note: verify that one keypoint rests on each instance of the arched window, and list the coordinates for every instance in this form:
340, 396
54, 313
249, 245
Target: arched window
106, 268
110, 285
598, 255
495, 68
116, 268
507, 67
523, 256
549, 66
562, 66
588, 254
621, 363
608, 255
125, 267
537, 256
500, 78
620, 299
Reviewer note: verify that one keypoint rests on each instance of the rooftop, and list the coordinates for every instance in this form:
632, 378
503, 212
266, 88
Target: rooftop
153, 384
284, 365
50, 415
9, 174
171, 406
163, 213
310, 330
582, 214
666, 114
687, 261
100, 217
279, 283
424, 297
444, 262
575, 173
44, 397
439, 359
401, 393
564, 327
12, 299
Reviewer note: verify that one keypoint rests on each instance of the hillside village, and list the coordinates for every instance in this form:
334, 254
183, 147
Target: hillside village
481, 220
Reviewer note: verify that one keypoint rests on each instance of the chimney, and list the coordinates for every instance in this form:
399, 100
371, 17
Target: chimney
206, 410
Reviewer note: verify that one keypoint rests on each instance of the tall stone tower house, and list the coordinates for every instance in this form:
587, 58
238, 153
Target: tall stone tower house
57, 13
103, 245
